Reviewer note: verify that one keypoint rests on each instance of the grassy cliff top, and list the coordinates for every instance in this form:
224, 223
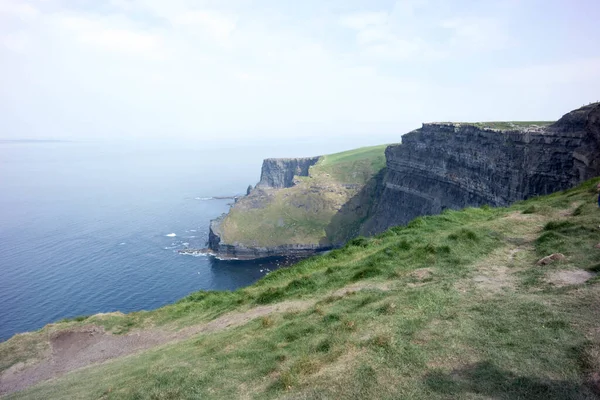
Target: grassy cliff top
309, 212
504, 125
373, 153
451, 306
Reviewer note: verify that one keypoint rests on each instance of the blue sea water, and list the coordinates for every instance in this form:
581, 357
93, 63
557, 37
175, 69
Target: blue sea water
89, 227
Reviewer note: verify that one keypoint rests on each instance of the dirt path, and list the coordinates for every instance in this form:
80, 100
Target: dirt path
88, 345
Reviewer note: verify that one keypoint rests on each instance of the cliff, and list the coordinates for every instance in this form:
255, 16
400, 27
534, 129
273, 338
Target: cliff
245, 251
301, 206
280, 172
451, 307
454, 307
452, 165
304, 205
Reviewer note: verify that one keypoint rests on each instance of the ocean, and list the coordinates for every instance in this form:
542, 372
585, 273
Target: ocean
90, 227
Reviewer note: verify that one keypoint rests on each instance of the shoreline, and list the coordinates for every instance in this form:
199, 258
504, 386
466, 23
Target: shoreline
257, 254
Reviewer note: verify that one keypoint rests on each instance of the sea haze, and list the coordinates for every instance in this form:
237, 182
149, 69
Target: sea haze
95, 227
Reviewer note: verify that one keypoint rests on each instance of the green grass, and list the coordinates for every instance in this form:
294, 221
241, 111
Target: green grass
426, 326
325, 208
511, 125
342, 166
506, 125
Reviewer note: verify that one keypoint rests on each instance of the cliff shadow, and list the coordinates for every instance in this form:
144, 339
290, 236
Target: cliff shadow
349, 222
490, 381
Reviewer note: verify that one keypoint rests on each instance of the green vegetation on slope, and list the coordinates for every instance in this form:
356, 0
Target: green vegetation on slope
353, 166
451, 306
510, 125
316, 211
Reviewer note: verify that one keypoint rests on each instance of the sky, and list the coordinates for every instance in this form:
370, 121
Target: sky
272, 70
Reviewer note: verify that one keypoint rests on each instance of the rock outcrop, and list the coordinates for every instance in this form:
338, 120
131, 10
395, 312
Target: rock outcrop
448, 165
276, 174
240, 251
301, 206
279, 172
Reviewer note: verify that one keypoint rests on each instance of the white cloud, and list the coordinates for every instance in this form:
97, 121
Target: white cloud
155, 67
377, 36
481, 33
109, 34
363, 20
408, 30
21, 10
217, 25
570, 72
122, 40
17, 42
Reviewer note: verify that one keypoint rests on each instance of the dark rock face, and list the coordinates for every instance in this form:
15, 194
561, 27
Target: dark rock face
214, 233
280, 172
587, 157
457, 165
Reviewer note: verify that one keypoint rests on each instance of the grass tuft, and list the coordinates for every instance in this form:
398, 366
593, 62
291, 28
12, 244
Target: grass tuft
366, 273
270, 295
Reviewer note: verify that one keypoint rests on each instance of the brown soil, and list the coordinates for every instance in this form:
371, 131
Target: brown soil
570, 277
75, 348
496, 279
494, 273
83, 346
361, 286
421, 276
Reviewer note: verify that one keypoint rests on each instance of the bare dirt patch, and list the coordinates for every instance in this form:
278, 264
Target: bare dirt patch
361, 286
570, 277
234, 319
519, 228
75, 348
79, 347
495, 279
519, 216
421, 276
569, 211
494, 274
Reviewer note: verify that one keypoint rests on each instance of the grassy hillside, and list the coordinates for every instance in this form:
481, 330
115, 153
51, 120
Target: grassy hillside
309, 212
451, 306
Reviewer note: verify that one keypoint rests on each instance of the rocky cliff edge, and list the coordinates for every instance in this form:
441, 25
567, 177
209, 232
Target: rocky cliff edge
450, 165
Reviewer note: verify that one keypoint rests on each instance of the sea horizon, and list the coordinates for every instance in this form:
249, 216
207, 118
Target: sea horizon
92, 227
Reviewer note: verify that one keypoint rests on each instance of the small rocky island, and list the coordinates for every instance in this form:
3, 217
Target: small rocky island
305, 205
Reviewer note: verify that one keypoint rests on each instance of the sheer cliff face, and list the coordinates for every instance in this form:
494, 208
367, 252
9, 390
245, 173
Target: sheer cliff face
279, 172
456, 165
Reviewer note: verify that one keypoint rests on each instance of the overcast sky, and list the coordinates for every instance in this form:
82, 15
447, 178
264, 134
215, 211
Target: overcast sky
227, 69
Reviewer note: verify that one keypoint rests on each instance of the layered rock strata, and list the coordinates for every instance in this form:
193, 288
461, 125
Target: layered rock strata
449, 165
279, 172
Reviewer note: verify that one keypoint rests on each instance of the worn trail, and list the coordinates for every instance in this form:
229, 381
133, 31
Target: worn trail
89, 345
